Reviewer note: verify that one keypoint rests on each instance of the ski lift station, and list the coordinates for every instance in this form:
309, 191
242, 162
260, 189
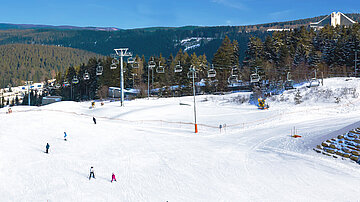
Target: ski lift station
115, 92
50, 99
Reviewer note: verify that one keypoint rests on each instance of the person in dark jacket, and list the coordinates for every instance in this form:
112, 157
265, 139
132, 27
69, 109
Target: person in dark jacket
92, 173
94, 120
47, 148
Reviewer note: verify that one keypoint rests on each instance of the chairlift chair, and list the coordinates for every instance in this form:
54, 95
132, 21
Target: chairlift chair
233, 79
113, 66
289, 84
115, 61
234, 71
211, 73
254, 78
86, 76
135, 65
65, 84
75, 80
314, 83
99, 70
178, 68
130, 60
160, 69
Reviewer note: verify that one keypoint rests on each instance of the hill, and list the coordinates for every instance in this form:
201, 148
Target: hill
145, 41
19, 62
151, 147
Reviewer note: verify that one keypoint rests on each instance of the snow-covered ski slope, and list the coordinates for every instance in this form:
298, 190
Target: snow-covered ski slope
156, 156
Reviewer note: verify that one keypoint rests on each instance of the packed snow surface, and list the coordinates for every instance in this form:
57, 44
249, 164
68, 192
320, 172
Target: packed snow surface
151, 147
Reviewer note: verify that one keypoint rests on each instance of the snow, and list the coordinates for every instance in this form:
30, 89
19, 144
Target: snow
151, 147
193, 42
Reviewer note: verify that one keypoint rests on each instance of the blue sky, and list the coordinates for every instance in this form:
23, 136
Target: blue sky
141, 13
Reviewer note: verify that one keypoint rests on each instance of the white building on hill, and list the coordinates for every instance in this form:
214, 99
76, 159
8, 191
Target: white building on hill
334, 19
9, 94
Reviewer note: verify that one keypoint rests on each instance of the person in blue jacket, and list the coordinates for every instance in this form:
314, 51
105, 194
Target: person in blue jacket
47, 148
65, 135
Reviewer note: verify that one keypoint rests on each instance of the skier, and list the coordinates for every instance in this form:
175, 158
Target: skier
92, 173
65, 136
47, 148
94, 120
113, 178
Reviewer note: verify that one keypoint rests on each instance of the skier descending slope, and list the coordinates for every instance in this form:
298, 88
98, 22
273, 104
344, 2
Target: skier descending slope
47, 148
94, 120
65, 135
92, 173
113, 178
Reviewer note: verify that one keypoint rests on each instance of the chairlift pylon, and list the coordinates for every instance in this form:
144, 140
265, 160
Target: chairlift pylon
152, 63
191, 75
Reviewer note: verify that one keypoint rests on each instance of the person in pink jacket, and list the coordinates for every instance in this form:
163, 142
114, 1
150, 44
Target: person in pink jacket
113, 178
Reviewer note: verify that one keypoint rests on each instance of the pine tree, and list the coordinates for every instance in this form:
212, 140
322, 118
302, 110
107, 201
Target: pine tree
297, 97
224, 62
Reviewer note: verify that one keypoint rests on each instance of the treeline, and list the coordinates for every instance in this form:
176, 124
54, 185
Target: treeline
330, 51
171, 76
21, 62
148, 42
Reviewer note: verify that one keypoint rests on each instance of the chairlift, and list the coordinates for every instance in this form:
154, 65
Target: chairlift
234, 71
130, 60
178, 68
75, 80
113, 66
313, 83
115, 61
160, 69
99, 70
211, 73
233, 79
135, 65
86, 76
254, 78
152, 64
65, 84
289, 83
